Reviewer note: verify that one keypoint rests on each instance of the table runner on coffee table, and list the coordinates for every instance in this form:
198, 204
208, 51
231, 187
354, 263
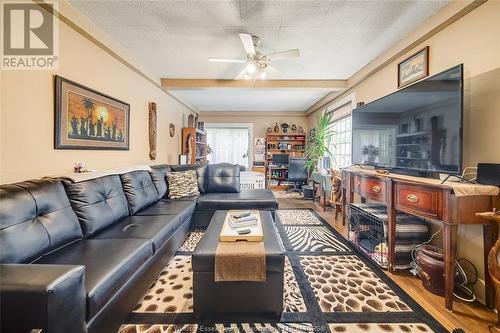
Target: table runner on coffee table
240, 261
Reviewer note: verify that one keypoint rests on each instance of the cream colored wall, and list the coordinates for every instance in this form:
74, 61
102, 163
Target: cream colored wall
474, 41
260, 122
27, 113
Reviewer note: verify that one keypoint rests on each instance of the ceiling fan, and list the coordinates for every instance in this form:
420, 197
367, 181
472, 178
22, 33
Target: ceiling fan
258, 64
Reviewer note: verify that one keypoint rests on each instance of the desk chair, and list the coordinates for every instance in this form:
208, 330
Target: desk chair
297, 173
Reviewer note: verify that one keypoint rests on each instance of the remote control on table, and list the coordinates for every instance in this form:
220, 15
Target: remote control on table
243, 231
240, 215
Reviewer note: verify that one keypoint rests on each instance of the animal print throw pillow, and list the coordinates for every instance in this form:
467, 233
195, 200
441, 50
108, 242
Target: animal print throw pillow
182, 184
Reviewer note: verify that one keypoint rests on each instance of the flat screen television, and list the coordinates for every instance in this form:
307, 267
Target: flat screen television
416, 130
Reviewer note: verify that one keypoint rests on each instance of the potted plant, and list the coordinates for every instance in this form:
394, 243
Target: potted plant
209, 151
371, 152
319, 140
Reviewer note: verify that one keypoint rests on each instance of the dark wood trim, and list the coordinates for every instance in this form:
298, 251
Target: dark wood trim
490, 236
391, 224
450, 249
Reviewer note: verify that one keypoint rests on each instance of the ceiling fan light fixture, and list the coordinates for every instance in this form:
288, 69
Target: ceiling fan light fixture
251, 68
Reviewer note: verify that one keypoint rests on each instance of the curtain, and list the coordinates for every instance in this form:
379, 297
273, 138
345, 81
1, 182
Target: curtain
229, 145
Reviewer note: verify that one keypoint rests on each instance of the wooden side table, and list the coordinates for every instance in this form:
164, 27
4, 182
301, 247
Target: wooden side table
428, 198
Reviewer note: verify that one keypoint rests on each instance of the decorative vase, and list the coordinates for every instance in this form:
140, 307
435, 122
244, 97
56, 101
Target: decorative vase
301, 129
276, 128
269, 129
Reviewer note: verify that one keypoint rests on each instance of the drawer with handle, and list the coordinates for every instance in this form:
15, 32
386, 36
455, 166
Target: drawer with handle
425, 201
371, 188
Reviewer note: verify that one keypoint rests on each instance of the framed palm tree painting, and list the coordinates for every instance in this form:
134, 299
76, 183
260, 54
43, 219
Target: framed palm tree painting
88, 119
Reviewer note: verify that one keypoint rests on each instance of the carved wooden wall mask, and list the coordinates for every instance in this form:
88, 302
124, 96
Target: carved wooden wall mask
152, 130
171, 130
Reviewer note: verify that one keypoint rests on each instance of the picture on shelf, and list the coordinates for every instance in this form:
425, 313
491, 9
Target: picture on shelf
259, 151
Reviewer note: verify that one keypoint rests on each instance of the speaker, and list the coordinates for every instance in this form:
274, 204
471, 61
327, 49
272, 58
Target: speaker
488, 174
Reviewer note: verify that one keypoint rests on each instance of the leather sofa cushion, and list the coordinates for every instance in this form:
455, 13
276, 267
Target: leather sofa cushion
139, 190
246, 199
98, 202
204, 257
159, 174
182, 208
35, 218
158, 229
223, 178
109, 264
200, 172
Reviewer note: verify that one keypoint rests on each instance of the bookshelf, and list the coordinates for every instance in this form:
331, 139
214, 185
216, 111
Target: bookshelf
419, 150
194, 145
292, 144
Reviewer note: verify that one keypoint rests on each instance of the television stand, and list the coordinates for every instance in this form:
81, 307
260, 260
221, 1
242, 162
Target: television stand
428, 198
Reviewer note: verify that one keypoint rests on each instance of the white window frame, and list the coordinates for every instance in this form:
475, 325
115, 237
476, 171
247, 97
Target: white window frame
248, 126
348, 100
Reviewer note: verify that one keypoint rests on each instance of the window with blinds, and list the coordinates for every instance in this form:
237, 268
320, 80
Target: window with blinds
340, 145
229, 144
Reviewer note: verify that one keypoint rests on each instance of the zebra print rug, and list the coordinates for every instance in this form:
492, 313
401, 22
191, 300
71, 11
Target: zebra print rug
314, 239
329, 287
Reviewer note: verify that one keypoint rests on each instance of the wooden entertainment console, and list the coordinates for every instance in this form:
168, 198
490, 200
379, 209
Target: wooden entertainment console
451, 204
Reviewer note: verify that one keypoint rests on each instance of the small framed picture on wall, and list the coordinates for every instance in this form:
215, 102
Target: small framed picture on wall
414, 68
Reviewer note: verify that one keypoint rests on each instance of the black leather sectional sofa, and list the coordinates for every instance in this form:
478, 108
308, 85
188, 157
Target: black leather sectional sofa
77, 256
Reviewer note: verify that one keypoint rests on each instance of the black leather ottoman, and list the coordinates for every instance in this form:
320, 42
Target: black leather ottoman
240, 296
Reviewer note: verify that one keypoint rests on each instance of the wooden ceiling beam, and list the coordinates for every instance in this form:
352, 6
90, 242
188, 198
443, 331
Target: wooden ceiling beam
332, 85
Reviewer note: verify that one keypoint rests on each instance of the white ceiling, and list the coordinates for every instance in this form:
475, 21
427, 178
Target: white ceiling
250, 99
175, 38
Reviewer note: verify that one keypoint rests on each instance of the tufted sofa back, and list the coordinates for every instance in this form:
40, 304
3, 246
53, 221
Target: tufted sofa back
98, 202
222, 178
139, 190
35, 218
158, 174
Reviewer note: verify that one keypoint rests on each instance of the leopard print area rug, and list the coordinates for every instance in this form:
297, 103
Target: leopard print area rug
328, 287
172, 292
298, 217
346, 284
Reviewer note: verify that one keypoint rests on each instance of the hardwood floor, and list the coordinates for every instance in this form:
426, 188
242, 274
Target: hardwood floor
473, 318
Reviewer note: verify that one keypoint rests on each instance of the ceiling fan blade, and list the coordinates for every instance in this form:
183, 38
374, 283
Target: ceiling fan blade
238, 61
243, 75
247, 41
294, 53
273, 70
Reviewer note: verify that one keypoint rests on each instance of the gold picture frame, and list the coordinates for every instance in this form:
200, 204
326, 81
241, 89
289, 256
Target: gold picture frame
413, 68
86, 119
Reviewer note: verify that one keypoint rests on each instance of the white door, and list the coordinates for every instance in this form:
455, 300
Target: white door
229, 143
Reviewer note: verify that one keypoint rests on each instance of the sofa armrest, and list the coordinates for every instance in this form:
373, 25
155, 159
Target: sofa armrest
47, 297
